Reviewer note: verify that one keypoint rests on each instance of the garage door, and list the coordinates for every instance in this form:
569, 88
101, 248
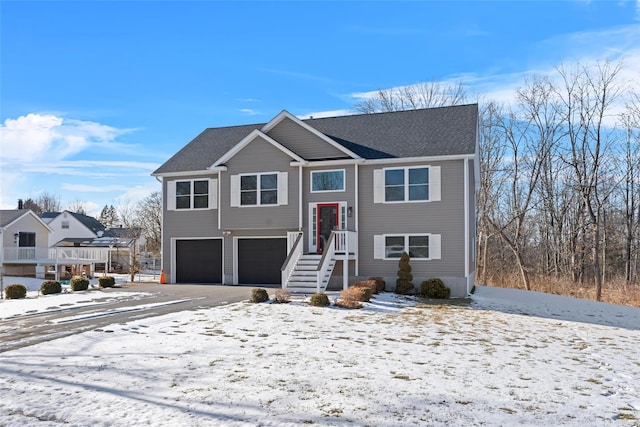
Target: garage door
260, 260
199, 261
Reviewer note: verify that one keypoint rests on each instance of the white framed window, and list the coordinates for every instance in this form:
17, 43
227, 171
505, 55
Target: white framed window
327, 181
192, 194
259, 189
65, 225
418, 246
406, 184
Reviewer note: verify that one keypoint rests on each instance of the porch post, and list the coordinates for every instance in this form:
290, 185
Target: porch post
345, 262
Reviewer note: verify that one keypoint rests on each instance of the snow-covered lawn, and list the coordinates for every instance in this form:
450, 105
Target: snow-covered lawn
509, 358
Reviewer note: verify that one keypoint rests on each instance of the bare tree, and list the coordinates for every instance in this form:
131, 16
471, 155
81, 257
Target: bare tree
491, 153
413, 97
49, 202
630, 121
149, 214
587, 96
78, 207
132, 231
531, 134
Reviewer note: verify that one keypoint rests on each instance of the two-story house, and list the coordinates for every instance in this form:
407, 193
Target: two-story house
294, 201
24, 238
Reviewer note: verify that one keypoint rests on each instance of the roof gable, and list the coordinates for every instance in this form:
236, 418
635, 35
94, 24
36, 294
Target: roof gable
11, 217
286, 117
248, 140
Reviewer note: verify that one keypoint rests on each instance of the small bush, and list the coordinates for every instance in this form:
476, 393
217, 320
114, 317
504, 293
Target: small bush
282, 296
259, 295
15, 291
380, 284
50, 287
434, 288
107, 282
350, 298
369, 284
319, 300
79, 284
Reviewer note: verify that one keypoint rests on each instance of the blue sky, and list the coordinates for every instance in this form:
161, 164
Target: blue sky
94, 96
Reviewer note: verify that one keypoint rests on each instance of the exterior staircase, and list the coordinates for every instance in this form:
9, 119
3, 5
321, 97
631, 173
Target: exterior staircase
304, 277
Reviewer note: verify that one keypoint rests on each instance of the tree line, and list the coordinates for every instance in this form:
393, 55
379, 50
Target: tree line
559, 195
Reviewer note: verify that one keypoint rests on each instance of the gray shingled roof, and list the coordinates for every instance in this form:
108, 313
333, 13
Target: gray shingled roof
8, 216
88, 221
412, 133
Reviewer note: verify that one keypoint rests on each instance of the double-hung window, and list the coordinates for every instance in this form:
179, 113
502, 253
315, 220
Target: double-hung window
418, 246
407, 184
192, 194
259, 189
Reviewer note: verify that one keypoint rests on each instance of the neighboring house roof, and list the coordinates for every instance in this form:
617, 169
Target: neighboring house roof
89, 222
8, 217
414, 133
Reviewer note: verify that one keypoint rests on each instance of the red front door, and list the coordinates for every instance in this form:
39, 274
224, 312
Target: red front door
327, 222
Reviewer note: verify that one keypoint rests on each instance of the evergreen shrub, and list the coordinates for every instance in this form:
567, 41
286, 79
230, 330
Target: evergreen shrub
50, 287
259, 295
434, 288
15, 291
79, 283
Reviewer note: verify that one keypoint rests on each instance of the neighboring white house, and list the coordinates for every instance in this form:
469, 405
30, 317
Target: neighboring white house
24, 238
68, 224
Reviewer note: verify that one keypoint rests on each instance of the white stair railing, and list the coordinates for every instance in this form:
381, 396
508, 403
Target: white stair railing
291, 260
326, 263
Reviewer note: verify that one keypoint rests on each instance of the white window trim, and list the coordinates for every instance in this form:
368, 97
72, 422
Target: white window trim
282, 189
344, 181
435, 245
379, 184
212, 194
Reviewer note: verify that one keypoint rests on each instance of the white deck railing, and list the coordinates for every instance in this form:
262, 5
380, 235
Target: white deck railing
35, 255
346, 242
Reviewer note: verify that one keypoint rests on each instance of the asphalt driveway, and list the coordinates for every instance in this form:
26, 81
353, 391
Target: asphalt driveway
35, 328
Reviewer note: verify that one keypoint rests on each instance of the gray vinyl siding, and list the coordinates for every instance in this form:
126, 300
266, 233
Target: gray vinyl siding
259, 156
303, 142
445, 217
185, 224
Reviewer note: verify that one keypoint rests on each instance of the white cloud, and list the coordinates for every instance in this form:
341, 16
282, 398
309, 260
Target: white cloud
250, 111
618, 44
85, 188
40, 137
138, 193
